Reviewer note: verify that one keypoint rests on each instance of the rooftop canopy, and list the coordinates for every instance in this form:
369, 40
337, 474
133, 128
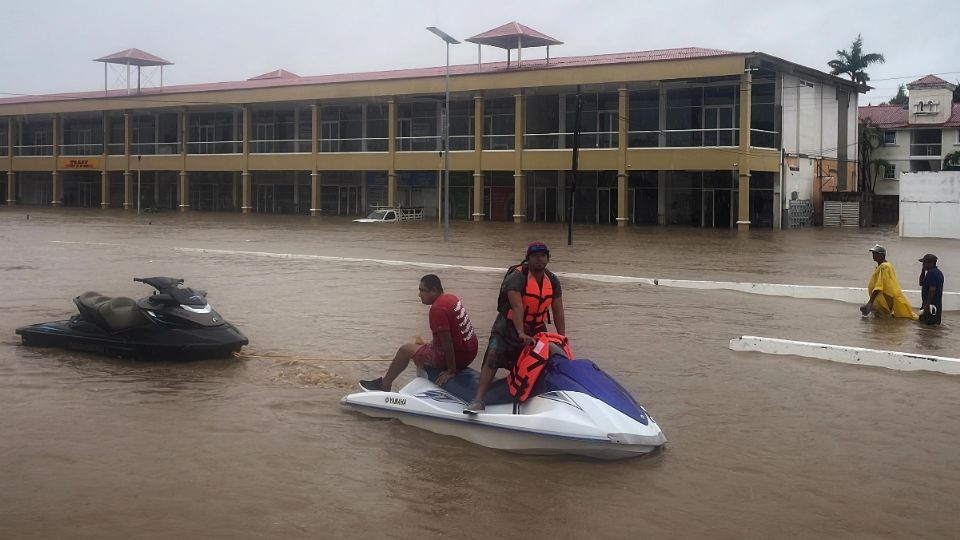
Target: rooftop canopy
134, 57
514, 35
275, 74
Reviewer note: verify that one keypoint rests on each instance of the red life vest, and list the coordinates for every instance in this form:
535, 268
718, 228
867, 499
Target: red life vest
537, 299
533, 358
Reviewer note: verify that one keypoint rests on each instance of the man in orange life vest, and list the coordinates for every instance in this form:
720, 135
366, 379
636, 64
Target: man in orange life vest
454, 343
526, 295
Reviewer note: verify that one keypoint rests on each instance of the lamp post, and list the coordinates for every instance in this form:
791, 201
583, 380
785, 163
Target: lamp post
445, 136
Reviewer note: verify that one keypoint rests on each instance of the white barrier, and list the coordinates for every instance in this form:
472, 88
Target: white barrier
850, 295
848, 355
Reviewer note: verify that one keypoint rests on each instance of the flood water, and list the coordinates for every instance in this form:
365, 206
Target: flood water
258, 447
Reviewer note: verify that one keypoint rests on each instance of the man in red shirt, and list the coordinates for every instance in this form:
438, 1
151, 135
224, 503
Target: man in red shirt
454, 344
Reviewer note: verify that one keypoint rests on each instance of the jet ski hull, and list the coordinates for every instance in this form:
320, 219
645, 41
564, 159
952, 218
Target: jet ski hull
144, 342
564, 422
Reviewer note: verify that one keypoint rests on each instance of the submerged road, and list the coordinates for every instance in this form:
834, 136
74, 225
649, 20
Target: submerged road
257, 447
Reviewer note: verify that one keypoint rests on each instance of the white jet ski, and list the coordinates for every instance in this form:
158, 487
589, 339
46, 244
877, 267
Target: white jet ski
575, 408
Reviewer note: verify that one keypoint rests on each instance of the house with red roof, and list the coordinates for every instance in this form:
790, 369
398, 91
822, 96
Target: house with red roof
676, 137
916, 137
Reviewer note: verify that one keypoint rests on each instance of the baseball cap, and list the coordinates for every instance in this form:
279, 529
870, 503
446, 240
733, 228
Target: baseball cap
929, 257
535, 247
879, 249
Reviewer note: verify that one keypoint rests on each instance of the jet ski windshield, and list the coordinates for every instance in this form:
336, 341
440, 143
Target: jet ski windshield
170, 291
584, 376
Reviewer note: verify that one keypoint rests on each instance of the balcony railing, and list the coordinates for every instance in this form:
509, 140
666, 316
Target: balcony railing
373, 144
215, 147
33, 150
498, 142
81, 149
280, 146
925, 150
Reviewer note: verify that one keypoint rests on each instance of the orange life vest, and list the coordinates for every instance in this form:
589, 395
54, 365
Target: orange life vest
537, 299
533, 358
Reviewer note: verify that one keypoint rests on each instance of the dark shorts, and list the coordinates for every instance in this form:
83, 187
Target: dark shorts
505, 345
430, 355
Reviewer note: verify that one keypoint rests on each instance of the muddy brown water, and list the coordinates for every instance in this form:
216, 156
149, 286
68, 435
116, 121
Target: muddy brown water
258, 447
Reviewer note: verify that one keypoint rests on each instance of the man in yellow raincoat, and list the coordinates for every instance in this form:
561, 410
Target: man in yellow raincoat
886, 296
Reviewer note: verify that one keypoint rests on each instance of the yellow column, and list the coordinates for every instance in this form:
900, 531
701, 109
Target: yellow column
184, 191
743, 219
104, 172
315, 149
184, 174
478, 157
246, 189
127, 173
104, 188
11, 188
247, 176
519, 181
315, 193
623, 140
55, 176
11, 175
392, 150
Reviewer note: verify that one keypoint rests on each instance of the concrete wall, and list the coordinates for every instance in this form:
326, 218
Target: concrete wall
930, 204
810, 118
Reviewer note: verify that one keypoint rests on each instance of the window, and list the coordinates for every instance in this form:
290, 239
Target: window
890, 171
928, 107
890, 137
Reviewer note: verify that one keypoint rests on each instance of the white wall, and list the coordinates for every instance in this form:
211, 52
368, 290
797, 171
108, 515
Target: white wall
930, 204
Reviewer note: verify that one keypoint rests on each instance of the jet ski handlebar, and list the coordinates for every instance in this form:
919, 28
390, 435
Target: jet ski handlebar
168, 291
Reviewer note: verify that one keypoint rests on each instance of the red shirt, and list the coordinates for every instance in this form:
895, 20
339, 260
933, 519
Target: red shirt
448, 313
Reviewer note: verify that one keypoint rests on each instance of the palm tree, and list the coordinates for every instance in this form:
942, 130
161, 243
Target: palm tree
854, 63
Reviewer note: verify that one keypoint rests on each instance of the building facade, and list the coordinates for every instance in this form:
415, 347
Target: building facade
665, 139
916, 138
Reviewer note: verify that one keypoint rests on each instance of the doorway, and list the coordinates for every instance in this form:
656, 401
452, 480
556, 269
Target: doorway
545, 204
89, 194
266, 198
606, 206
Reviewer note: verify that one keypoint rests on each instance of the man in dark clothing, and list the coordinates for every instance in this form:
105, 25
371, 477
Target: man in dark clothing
931, 290
526, 295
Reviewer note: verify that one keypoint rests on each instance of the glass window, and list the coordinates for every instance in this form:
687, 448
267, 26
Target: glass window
890, 171
889, 137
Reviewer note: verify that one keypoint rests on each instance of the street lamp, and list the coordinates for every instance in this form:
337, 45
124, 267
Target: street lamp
446, 133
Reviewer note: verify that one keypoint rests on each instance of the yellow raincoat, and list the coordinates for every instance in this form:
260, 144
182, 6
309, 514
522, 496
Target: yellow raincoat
884, 279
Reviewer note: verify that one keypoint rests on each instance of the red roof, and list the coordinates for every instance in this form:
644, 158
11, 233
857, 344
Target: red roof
895, 116
507, 36
134, 57
275, 74
465, 69
930, 81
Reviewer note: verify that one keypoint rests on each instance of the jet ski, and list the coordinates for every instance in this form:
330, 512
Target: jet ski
575, 409
175, 322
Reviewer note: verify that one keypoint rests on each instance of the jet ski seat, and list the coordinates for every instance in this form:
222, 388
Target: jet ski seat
111, 313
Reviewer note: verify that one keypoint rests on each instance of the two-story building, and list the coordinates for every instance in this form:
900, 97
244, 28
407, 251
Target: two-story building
695, 137
916, 137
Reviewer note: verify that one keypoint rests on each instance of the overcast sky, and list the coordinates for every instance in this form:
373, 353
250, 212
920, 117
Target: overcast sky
48, 45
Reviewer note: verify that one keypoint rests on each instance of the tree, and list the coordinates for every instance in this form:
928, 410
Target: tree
901, 97
854, 63
951, 161
869, 140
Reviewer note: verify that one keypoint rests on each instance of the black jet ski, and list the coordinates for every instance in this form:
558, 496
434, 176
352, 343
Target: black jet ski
175, 322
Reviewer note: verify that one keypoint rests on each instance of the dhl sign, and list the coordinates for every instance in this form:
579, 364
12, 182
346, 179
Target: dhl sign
79, 163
